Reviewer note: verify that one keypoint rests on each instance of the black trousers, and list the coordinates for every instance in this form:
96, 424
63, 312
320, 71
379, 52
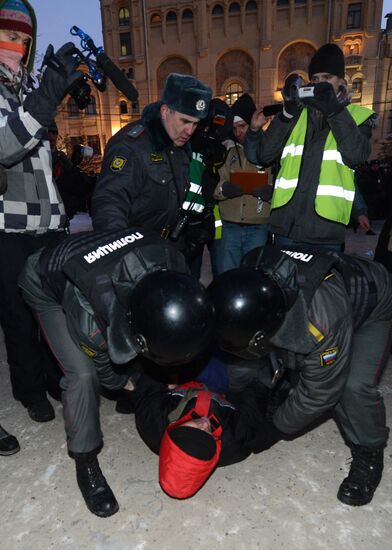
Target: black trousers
33, 369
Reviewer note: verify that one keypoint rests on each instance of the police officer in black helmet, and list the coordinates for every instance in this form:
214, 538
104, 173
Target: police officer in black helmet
328, 317
102, 299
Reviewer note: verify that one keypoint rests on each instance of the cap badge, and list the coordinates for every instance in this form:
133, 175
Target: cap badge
200, 105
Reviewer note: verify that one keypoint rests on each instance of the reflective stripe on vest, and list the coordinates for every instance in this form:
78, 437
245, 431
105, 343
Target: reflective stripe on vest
218, 223
336, 190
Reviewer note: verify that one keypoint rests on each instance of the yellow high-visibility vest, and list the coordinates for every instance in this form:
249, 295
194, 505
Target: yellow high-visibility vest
336, 190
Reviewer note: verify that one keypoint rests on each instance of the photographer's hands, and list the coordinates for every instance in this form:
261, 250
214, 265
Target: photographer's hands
325, 100
59, 78
291, 107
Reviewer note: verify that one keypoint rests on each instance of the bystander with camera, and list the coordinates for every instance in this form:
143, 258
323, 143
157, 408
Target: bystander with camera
319, 138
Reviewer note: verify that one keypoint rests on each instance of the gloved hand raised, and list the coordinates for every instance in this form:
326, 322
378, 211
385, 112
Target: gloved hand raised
59, 78
231, 191
264, 193
324, 99
291, 106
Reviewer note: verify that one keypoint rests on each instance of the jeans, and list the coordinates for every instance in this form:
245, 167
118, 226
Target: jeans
238, 240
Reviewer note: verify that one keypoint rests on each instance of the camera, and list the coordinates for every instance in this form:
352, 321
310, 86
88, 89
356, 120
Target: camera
305, 92
294, 89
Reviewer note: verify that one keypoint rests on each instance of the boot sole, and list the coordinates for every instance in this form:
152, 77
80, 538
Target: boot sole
102, 514
353, 502
11, 452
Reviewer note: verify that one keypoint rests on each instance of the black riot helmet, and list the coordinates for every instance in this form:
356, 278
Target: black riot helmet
171, 317
249, 308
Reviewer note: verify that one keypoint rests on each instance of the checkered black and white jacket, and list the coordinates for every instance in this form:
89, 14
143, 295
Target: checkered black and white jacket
31, 202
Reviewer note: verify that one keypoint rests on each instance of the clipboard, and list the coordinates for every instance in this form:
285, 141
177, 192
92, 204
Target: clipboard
249, 180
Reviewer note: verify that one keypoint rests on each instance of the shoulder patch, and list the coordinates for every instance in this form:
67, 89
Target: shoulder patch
136, 131
88, 351
328, 357
156, 157
118, 164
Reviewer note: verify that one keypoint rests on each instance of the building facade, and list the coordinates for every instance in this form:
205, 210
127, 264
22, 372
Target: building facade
240, 46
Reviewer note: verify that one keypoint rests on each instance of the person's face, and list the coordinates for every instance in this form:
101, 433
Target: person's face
179, 127
16, 37
202, 423
334, 80
239, 131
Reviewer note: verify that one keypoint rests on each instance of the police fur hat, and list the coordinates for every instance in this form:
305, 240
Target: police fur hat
187, 95
328, 59
243, 108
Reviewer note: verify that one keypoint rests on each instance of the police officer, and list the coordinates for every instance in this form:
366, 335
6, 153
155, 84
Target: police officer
328, 316
102, 299
145, 174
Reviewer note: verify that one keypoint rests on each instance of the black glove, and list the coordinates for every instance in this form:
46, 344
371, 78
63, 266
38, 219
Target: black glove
199, 231
291, 107
59, 78
324, 99
267, 435
231, 191
264, 193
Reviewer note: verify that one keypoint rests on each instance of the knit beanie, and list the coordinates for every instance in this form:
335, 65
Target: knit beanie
18, 15
243, 109
328, 59
187, 457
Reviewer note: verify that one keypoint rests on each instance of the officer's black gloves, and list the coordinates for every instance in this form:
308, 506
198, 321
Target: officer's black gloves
264, 193
231, 191
267, 435
59, 78
291, 105
199, 231
325, 99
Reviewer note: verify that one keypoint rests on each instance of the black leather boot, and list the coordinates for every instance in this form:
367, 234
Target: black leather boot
8, 443
95, 489
365, 474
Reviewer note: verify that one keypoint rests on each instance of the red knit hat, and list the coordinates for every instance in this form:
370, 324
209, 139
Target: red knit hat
188, 456
15, 16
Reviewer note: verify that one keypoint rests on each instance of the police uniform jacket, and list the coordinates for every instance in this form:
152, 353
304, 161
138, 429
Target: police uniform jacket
144, 177
298, 219
332, 296
92, 277
240, 416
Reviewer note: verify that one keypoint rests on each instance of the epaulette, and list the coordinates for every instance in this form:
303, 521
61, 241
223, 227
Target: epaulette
136, 131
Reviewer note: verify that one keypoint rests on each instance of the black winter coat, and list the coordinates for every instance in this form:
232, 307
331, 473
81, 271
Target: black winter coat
144, 177
240, 416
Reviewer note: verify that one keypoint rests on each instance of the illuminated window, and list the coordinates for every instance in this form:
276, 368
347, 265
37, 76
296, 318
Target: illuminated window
357, 86
155, 18
233, 92
354, 16
123, 17
125, 44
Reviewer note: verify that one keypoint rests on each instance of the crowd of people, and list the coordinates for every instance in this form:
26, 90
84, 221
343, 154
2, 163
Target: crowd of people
290, 329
